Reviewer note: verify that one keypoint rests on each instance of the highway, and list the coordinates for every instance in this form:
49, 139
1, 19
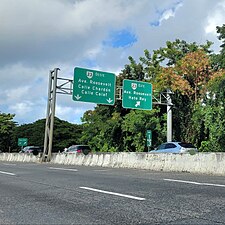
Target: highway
57, 194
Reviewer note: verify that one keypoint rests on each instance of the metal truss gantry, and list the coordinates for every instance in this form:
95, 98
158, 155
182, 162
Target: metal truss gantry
59, 85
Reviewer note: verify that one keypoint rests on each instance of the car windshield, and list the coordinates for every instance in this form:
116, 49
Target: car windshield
186, 145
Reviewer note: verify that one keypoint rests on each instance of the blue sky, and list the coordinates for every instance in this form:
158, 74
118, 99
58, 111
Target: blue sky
95, 34
120, 39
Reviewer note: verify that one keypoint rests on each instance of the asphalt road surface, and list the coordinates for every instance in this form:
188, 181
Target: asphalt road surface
57, 194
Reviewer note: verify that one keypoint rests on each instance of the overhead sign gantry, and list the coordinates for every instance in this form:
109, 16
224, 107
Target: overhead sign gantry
100, 88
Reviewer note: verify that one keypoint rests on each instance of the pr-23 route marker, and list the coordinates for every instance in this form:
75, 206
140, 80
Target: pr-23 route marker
94, 86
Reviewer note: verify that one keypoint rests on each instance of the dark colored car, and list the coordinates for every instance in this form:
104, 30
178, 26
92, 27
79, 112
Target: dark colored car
85, 149
32, 149
176, 147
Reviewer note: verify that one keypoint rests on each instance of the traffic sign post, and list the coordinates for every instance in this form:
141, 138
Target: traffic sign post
149, 138
94, 86
137, 95
22, 142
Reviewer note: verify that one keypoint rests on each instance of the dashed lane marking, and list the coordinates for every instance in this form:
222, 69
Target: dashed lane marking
65, 169
196, 183
113, 193
7, 173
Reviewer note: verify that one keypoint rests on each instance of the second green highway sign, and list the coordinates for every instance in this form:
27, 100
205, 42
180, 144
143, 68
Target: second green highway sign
22, 142
94, 86
137, 95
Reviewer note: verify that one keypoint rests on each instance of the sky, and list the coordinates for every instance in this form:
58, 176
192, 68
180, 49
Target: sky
37, 36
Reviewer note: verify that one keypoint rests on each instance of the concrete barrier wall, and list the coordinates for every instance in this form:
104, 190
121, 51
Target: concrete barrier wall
18, 157
205, 163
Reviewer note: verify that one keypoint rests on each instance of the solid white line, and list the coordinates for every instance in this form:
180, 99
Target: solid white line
113, 193
12, 174
196, 183
55, 168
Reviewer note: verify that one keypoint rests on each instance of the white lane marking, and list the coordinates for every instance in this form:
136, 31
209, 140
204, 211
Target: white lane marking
100, 170
9, 164
113, 193
7, 173
55, 168
197, 183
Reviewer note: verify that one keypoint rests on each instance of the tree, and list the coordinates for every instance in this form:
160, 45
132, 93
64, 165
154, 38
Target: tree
182, 67
102, 129
175, 51
218, 61
64, 134
135, 125
6, 126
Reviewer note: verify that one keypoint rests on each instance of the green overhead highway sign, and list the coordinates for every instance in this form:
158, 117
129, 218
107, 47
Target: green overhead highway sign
22, 142
94, 86
137, 95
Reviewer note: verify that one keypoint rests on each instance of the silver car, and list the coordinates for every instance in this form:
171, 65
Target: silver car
176, 147
85, 149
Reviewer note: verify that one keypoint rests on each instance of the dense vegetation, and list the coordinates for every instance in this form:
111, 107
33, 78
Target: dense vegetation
193, 72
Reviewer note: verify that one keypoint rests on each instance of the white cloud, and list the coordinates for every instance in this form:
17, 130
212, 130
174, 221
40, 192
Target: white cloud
72, 114
215, 18
168, 13
17, 93
38, 35
22, 108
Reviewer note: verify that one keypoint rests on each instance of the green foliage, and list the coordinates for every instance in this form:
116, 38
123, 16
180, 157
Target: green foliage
102, 129
135, 125
6, 126
208, 126
221, 36
65, 134
218, 61
187, 75
175, 51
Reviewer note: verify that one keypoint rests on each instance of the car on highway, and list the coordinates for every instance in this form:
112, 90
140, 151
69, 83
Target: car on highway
85, 149
32, 149
175, 147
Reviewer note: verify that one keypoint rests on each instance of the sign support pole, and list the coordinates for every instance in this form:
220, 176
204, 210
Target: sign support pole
169, 116
49, 125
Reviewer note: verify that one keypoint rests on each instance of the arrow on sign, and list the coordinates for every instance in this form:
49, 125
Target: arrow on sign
109, 100
77, 97
138, 103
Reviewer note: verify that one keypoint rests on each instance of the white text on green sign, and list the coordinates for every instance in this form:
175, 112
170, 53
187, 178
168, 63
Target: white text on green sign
137, 95
94, 86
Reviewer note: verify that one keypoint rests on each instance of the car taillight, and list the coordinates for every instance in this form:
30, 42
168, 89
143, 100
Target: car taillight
79, 150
